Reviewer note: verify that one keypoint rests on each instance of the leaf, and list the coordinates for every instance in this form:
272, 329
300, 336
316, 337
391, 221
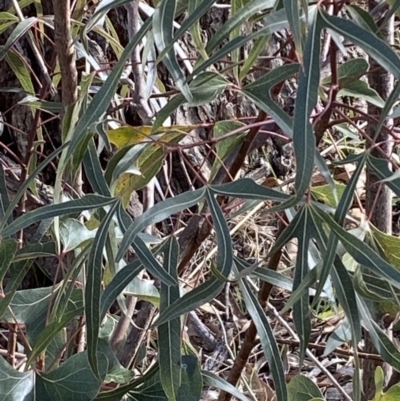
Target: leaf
204, 88
14, 385
102, 99
169, 333
8, 249
49, 211
251, 8
212, 287
361, 90
163, 19
157, 213
349, 72
292, 10
324, 193
306, 99
212, 380
267, 340
381, 169
374, 46
72, 381
20, 30
93, 288
384, 346
301, 388
73, 233
16, 62
118, 284
193, 17
361, 252
246, 188
36, 250
225, 146
93, 171
363, 18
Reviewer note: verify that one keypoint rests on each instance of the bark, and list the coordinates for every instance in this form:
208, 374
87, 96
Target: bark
378, 196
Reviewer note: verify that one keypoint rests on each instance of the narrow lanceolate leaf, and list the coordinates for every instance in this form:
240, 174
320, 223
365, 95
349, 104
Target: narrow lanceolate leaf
93, 288
386, 349
375, 47
118, 284
362, 252
147, 258
251, 8
259, 91
301, 310
381, 169
48, 334
246, 188
306, 99
188, 23
94, 172
292, 9
157, 213
169, 333
102, 99
163, 25
20, 30
75, 206
4, 201
192, 300
340, 215
213, 380
8, 248
25, 185
225, 253
267, 340
212, 287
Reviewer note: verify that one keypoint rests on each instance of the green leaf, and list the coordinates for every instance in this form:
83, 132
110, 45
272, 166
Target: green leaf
385, 348
8, 249
363, 18
94, 172
292, 10
49, 333
204, 88
62, 209
102, 99
267, 340
246, 188
349, 71
375, 47
381, 169
225, 251
225, 146
93, 288
251, 8
212, 380
73, 381
301, 388
361, 252
306, 99
117, 285
212, 287
193, 17
20, 30
169, 333
157, 213
163, 20
21, 71
14, 385
36, 250
301, 307
361, 90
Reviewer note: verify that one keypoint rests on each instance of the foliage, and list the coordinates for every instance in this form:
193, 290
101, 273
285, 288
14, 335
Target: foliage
106, 256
